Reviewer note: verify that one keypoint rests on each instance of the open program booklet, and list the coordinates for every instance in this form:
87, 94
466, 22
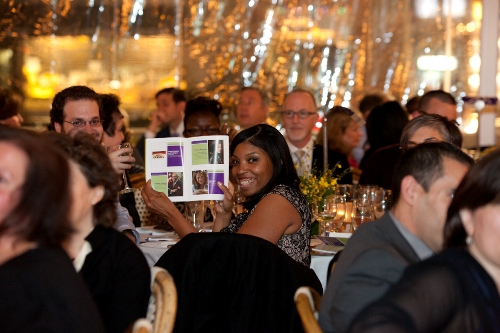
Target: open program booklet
188, 169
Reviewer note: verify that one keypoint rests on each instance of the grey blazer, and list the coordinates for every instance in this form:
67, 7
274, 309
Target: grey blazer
373, 260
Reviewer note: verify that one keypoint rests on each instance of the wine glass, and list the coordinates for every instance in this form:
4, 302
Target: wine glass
195, 214
313, 207
211, 205
126, 187
327, 210
340, 203
363, 212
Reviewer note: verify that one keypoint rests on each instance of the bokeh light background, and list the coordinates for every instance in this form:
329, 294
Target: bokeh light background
340, 49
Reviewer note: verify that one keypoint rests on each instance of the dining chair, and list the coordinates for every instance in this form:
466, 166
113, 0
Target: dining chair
307, 301
235, 283
142, 325
163, 307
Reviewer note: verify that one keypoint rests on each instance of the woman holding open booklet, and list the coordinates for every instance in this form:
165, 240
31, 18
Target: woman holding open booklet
276, 210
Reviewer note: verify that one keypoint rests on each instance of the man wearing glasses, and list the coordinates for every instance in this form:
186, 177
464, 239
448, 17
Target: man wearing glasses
79, 109
299, 116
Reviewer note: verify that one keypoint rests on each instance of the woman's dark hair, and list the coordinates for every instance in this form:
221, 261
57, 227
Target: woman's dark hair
111, 113
202, 105
479, 187
385, 124
272, 142
42, 212
97, 169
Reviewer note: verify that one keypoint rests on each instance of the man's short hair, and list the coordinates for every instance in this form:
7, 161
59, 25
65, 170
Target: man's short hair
440, 95
303, 90
74, 93
424, 162
448, 130
178, 95
370, 101
263, 95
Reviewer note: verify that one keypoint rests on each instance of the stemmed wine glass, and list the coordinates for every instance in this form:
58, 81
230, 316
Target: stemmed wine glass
327, 209
126, 187
340, 204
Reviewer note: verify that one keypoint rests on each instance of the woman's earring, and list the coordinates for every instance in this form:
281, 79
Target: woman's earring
468, 240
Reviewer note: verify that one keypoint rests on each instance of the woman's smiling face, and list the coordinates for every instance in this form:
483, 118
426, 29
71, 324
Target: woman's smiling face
251, 167
200, 178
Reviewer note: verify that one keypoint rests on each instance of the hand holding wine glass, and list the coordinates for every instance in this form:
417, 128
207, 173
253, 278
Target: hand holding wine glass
121, 157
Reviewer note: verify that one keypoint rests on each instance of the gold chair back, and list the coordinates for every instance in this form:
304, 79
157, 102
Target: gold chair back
165, 301
307, 302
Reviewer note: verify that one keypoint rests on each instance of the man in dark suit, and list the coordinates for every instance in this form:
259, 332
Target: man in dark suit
378, 252
167, 120
299, 115
175, 186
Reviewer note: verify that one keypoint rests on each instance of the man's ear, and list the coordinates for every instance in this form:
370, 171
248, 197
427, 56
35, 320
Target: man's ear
97, 194
58, 127
181, 106
410, 189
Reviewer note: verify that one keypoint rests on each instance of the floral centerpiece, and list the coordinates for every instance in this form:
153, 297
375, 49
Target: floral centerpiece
316, 187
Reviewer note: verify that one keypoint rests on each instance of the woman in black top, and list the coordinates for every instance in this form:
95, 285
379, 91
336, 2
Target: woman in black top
39, 288
114, 269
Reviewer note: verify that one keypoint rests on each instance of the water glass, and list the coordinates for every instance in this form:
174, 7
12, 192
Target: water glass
345, 191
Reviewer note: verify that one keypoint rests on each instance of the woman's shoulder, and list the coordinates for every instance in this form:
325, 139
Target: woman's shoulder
291, 194
285, 190
294, 197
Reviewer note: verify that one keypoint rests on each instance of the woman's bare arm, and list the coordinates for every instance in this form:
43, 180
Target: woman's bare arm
273, 217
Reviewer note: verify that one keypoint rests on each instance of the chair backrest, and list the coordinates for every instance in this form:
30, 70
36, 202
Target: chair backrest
307, 301
235, 283
164, 298
141, 325
140, 206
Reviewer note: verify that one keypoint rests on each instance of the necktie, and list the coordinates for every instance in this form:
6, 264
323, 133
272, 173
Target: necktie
300, 163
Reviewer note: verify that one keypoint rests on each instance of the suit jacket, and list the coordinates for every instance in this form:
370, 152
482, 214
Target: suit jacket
333, 158
373, 260
177, 186
141, 144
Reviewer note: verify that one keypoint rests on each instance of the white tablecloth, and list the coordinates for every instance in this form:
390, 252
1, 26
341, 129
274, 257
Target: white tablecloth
319, 264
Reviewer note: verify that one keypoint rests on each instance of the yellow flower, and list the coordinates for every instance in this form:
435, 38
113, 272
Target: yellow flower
315, 188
